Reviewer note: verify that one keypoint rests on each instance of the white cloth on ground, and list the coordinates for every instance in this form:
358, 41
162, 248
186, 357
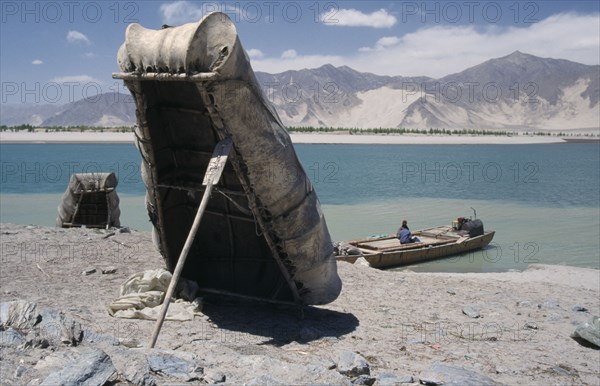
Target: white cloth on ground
142, 294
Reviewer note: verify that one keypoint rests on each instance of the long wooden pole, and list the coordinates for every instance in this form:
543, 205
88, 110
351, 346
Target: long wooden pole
213, 173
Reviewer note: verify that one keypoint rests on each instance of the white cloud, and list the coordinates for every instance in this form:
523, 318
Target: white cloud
77, 37
183, 11
355, 18
381, 44
570, 36
289, 54
79, 79
254, 53
89, 55
388, 41
180, 12
37, 62
441, 50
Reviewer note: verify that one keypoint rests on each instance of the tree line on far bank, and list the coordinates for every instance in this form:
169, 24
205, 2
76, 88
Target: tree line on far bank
312, 129
430, 131
66, 129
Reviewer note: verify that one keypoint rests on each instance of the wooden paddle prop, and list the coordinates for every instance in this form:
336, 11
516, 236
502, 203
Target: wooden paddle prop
212, 176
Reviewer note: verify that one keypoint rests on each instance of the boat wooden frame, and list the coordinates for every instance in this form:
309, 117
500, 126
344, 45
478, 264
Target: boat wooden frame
436, 243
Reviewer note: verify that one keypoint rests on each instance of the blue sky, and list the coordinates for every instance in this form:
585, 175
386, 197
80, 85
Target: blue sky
60, 51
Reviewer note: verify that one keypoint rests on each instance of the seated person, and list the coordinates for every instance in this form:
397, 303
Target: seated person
405, 236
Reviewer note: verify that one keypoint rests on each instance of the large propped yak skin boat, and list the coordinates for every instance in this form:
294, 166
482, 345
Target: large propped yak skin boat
263, 234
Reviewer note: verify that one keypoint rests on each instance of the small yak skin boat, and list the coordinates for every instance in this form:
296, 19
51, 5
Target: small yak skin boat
435, 243
91, 200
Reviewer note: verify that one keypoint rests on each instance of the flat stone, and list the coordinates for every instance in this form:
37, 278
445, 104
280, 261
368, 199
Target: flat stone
283, 371
579, 308
130, 342
109, 270
588, 331
91, 368
329, 363
171, 365
264, 380
11, 337
554, 318
35, 340
55, 361
92, 336
406, 379
565, 370
214, 376
308, 334
19, 314
19, 371
451, 291
138, 373
352, 365
364, 379
389, 379
503, 370
88, 271
132, 365
439, 374
57, 327
549, 304
471, 312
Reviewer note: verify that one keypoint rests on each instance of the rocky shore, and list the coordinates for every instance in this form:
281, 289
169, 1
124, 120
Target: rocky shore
386, 328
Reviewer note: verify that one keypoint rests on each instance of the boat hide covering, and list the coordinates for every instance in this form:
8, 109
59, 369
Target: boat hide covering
263, 233
90, 199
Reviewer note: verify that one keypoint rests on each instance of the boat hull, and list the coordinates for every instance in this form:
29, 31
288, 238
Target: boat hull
90, 200
263, 234
428, 252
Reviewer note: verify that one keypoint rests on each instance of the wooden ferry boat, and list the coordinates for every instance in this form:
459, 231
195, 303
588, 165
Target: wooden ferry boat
435, 243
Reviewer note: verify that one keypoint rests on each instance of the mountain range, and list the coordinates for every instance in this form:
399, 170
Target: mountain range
514, 92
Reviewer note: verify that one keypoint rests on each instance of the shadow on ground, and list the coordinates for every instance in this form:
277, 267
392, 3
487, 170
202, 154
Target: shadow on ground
281, 324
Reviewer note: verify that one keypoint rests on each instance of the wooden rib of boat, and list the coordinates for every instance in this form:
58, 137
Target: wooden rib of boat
263, 234
436, 243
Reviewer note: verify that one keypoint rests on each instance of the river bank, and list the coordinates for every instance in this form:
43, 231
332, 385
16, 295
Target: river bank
323, 138
509, 328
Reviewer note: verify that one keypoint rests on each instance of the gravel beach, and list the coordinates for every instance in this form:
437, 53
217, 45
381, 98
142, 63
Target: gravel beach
386, 328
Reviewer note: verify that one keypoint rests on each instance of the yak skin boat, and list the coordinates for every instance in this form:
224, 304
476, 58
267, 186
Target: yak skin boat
435, 243
91, 200
263, 234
